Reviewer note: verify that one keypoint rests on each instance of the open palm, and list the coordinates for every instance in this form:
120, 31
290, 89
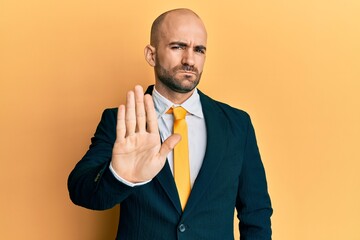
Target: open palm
138, 154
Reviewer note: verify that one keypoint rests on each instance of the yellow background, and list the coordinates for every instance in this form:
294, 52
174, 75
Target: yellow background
293, 65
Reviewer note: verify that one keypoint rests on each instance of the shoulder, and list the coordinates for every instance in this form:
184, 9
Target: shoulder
107, 124
109, 114
230, 112
235, 123
111, 111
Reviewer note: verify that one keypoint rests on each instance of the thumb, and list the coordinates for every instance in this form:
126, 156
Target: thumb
169, 144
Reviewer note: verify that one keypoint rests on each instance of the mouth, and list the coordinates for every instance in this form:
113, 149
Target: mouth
188, 72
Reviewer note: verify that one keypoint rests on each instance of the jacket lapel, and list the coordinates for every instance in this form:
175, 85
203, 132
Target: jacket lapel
166, 180
216, 127
165, 177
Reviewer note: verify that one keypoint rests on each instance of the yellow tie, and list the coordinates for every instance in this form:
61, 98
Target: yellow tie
181, 155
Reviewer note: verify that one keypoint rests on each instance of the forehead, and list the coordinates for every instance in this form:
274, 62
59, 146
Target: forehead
183, 27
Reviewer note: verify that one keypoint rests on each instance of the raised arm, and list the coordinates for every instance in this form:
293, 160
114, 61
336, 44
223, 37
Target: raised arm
129, 140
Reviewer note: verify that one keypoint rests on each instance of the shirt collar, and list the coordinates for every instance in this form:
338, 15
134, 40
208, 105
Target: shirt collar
192, 104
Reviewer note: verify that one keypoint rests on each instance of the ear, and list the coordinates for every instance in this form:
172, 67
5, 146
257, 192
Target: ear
149, 53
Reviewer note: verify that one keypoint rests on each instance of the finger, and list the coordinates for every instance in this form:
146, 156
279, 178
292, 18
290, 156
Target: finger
130, 119
140, 109
120, 125
168, 145
151, 117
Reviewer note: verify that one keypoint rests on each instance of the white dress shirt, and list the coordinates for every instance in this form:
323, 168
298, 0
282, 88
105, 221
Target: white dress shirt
196, 132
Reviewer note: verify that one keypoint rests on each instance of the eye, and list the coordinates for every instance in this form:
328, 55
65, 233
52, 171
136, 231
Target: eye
200, 50
177, 47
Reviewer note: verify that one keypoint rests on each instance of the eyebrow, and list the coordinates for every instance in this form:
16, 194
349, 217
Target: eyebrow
182, 44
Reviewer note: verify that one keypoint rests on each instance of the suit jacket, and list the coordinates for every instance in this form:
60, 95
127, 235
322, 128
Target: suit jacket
232, 176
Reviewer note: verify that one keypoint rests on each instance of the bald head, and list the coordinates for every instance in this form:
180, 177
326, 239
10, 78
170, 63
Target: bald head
157, 26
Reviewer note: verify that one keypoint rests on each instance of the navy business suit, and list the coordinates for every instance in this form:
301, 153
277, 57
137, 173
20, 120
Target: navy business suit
232, 175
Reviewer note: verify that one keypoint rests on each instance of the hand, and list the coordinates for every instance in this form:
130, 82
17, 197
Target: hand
138, 154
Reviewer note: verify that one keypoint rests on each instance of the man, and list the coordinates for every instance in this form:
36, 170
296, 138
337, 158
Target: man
133, 158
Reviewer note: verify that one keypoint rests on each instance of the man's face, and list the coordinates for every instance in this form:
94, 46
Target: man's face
180, 53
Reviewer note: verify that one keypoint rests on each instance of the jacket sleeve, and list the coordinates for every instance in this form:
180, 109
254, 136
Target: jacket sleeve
91, 183
253, 201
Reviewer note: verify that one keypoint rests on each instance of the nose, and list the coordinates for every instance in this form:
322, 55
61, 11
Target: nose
188, 57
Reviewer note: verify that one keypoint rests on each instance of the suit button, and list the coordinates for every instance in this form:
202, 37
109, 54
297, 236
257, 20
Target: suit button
182, 228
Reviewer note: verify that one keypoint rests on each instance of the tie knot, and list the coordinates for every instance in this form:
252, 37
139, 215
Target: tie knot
178, 112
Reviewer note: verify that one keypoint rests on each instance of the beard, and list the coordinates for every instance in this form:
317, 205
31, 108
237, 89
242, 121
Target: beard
180, 85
